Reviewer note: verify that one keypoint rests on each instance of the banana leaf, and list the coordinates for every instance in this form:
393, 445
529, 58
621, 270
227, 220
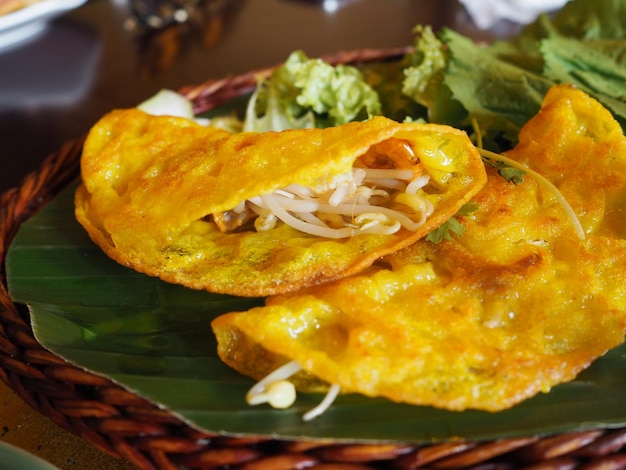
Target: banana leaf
155, 339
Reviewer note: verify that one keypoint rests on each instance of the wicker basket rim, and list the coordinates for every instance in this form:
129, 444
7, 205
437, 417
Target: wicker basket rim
124, 425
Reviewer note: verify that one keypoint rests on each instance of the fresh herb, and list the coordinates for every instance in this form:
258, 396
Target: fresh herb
512, 175
503, 84
452, 225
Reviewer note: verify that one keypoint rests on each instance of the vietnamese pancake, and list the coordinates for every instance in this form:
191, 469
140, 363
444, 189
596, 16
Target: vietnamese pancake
253, 214
517, 303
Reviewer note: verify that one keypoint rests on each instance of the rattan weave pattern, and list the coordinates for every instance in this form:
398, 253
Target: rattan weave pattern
125, 425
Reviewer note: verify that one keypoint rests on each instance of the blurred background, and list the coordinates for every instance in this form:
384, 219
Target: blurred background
115, 53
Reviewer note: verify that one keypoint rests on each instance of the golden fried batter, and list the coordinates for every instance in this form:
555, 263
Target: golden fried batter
515, 305
170, 198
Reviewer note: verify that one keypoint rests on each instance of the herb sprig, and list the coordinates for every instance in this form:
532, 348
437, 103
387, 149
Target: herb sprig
452, 225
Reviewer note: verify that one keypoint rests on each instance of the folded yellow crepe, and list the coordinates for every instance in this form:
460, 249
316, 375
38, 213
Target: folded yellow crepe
254, 214
516, 304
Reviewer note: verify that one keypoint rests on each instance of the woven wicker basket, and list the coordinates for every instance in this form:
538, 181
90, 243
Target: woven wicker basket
127, 426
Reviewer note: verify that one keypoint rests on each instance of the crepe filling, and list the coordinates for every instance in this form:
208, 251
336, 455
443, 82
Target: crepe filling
377, 201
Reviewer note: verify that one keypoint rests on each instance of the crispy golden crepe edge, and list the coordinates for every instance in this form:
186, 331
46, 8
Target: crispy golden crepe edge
229, 334
89, 217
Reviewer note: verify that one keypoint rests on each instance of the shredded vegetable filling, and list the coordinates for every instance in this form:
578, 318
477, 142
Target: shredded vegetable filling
365, 200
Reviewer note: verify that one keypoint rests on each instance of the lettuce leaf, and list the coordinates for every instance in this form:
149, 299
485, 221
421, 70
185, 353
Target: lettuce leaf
306, 92
426, 67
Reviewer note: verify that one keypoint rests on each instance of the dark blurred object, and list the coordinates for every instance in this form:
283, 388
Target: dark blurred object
205, 25
158, 14
329, 6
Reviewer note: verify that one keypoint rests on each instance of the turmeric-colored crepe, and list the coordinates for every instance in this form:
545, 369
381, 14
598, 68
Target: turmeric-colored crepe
516, 304
164, 196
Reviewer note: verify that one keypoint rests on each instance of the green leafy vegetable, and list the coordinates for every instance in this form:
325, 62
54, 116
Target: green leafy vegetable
452, 225
385, 78
509, 173
450, 79
502, 85
587, 66
592, 19
424, 78
426, 66
307, 92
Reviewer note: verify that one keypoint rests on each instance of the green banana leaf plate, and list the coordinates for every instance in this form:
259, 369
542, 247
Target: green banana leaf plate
155, 339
